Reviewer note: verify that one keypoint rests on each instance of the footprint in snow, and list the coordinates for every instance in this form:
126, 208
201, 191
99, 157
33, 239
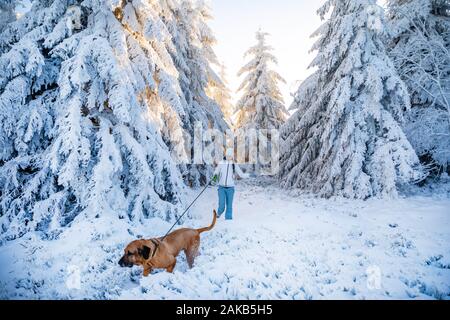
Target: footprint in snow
370, 243
436, 261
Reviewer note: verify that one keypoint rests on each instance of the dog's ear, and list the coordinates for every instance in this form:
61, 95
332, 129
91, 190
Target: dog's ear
144, 252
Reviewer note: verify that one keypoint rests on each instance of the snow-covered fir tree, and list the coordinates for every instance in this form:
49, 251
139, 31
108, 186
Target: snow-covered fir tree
345, 139
261, 105
420, 49
305, 92
221, 93
193, 55
7, 12
81, 88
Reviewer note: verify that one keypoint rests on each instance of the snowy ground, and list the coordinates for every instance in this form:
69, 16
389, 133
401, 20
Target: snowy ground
279, 246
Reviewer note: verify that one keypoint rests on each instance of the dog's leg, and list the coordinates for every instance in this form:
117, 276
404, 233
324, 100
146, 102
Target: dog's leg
190, 257
192, 253
190, 260
147, 270
172, 265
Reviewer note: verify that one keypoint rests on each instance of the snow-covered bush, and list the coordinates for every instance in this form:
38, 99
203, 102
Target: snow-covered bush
420, 49
345, 138
82, 85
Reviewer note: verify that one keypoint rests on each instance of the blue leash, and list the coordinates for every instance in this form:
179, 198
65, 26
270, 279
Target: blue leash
179, 219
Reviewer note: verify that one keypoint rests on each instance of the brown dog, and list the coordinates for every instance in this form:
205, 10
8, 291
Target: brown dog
142, 252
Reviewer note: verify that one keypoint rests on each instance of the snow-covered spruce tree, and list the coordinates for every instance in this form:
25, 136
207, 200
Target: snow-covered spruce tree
7, 12
305, 92
77, 87
261, 105
220, 93
345, 138
420, 49
193, 55
208, 58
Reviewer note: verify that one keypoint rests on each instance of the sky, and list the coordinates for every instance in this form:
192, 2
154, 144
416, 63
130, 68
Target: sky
290, 23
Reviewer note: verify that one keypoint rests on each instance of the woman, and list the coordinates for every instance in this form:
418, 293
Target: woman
224, 176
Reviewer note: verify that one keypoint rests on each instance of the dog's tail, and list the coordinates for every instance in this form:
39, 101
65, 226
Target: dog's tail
211, 226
